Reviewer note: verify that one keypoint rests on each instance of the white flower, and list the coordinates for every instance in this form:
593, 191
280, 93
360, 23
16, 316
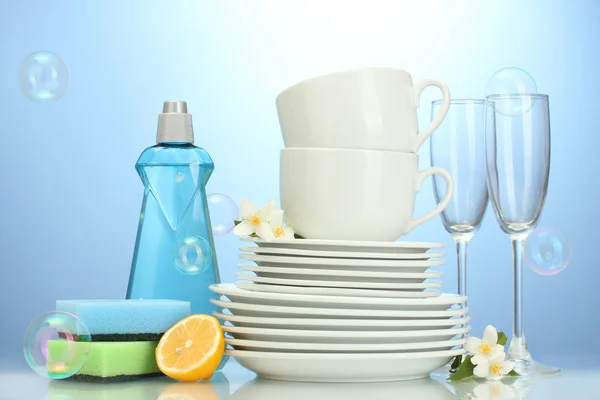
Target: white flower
494, 390
254, 218
483, 349
494, 368
275, 228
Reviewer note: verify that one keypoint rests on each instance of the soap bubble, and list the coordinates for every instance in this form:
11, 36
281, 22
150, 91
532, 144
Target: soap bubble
192, 255
547, 251
223, 211
43, 76
56, 345
506, 85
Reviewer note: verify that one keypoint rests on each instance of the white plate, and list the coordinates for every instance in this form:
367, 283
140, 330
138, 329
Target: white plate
258, 310
339, 254
353, 367
347, 245
319, 291
337, 324
342, 263
342, 275
259, 345
238, 295
339, 337
340, 284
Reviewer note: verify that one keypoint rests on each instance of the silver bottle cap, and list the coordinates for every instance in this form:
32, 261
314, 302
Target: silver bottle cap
175, 124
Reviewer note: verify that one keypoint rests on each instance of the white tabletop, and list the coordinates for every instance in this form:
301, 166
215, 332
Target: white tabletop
236, 383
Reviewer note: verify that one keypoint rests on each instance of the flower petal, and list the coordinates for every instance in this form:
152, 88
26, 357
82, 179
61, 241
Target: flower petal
507, 366
276, 219
265, 232
495, 350
482, 370
247, 208
265, 211
472, 345
244, 228
490, 335
478, 359
497, 358
288, 233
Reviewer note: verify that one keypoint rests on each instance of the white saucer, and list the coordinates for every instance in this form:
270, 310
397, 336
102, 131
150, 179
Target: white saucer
347, 245
340, 367
339, 284
343, 275
342, 263
339, 254
259, 345
320, 291
238, 295
260, 310
338, 324
319, 336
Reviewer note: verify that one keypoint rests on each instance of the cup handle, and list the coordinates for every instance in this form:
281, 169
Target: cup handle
437, 120
442, 204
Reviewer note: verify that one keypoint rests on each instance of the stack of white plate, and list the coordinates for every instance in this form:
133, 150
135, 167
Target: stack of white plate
334, 311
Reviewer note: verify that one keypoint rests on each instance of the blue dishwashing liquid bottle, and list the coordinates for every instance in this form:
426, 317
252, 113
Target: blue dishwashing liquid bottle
174, 256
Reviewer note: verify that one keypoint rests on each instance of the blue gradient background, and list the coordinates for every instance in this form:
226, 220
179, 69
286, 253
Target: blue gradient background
70, 196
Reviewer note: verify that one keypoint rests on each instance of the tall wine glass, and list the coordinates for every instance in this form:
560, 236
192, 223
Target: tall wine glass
518, 162
458, 146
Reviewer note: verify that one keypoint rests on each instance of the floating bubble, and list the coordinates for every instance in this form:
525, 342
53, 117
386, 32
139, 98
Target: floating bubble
56, 345
223, 211
192, 255
43, 76
507, 86
547, 251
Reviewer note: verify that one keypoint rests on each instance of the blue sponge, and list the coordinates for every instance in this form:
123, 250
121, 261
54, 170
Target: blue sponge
126, 320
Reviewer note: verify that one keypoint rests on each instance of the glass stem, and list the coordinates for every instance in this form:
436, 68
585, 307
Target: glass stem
518, 347
461, 262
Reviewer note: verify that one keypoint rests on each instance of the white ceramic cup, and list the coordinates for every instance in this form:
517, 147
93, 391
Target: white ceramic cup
369, 109
343, 194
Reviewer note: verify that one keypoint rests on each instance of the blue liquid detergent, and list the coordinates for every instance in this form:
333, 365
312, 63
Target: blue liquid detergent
174, 256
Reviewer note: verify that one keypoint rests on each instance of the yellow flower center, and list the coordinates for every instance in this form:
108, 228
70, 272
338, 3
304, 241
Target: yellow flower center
278, 232
485, 348
496, 369
255, 220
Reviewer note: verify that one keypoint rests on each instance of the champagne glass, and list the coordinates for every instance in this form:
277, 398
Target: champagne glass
458, 146
518, 162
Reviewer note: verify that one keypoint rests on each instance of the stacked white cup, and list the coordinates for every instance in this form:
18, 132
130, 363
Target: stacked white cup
350, 169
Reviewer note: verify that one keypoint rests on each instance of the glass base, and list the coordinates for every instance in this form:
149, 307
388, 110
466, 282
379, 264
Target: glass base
530, 369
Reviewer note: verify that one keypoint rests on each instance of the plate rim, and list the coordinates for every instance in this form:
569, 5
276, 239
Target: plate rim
353, 243
340, 262
427, 285
340, 272
229, 287
340, 311
349, 322
342, 356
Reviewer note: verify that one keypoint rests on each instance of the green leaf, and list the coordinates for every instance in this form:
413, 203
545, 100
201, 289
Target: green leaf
254, 235
298, 236
513, 373
502, 338
456, 363
465, 371
236, 222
